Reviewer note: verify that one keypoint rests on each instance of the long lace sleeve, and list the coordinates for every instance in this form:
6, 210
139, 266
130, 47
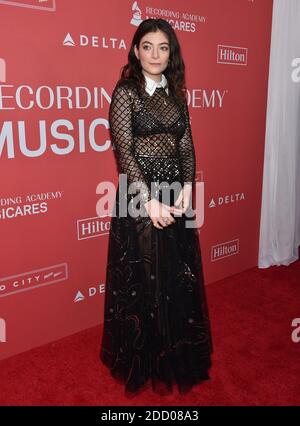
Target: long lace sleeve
120, 120
187, 150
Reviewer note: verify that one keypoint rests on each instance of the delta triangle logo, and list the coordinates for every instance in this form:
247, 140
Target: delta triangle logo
212, 203
68, 41
79, 297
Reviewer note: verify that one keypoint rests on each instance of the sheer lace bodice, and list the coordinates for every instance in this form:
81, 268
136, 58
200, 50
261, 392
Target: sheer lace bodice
150, 127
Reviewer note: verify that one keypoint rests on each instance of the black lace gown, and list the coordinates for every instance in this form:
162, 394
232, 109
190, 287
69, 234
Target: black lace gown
156, 323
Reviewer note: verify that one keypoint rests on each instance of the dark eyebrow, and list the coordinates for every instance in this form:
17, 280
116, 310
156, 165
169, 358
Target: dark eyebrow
165, 42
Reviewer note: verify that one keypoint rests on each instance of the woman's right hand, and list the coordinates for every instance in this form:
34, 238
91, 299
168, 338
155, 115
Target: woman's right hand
160, 213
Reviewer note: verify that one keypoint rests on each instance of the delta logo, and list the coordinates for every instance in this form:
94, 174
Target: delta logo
94, 41
81, 296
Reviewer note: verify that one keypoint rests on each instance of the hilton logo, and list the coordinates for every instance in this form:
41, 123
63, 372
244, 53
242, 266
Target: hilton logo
93, 227
232, 55
224, 250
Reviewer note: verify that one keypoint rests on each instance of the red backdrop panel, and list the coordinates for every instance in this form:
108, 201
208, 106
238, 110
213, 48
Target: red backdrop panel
59, 62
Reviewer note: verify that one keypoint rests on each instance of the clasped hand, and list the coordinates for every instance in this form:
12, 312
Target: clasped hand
162, 214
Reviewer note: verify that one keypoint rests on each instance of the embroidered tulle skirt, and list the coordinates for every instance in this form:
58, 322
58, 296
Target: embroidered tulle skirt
156, 322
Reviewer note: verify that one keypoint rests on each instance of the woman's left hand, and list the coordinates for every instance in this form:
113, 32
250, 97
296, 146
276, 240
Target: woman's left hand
183, 200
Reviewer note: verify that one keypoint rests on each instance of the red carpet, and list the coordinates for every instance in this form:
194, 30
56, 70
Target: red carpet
255, 361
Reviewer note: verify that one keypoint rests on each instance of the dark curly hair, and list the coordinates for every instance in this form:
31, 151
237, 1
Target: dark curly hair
175, 71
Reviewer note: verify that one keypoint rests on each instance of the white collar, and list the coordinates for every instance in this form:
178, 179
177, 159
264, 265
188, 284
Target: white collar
151, 85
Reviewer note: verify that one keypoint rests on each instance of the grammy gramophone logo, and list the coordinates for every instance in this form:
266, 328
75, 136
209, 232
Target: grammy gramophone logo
136, 15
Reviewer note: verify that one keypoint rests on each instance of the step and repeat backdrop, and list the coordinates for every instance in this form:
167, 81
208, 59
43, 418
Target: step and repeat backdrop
59, 63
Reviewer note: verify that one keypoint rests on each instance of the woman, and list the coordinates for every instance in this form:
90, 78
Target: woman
156, 321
